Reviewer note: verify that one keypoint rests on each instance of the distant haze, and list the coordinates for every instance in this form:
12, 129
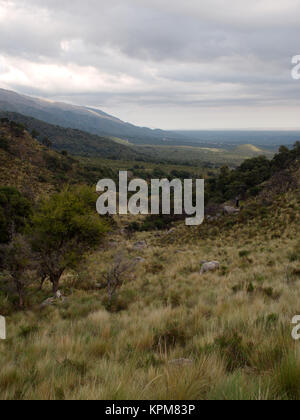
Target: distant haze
169, 64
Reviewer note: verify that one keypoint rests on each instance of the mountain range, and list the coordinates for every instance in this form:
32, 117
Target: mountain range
97, 123
86, 119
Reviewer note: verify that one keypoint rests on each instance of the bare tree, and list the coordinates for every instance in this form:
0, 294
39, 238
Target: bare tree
18, 265
116, 275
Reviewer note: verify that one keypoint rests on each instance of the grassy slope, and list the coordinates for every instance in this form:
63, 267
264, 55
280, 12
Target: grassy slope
206, 157
235, 324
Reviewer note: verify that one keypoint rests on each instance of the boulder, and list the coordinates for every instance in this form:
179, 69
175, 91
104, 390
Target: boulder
229, 211
55, 299
210, 266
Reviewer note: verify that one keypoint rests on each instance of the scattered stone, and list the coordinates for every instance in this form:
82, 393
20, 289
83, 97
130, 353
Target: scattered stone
58, 295
139, 260
58, 298
48, 302
171, 231
210, 266
113, 244
140, 245
229, 211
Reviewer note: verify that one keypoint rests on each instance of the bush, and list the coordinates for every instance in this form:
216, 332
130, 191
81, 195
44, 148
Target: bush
236, 352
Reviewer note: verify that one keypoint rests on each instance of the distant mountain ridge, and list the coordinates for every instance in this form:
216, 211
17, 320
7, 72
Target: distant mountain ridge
86, 119
76, 142
97, 122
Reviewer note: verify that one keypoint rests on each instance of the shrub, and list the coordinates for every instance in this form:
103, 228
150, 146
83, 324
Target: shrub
288, 378
236, 352
244, 253
64, 228
4, 144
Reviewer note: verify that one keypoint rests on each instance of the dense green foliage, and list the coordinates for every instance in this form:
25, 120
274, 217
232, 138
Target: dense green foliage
249, 176
14, 211
66, 226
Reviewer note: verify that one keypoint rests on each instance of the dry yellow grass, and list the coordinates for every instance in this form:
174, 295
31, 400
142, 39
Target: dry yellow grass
235, 324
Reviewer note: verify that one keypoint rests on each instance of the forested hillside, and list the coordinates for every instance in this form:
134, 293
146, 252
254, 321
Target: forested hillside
75, 142
35, 169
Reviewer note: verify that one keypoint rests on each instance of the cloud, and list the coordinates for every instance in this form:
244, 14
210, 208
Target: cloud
155, 61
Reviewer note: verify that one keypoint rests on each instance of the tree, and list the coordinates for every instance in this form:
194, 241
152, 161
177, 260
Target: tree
15, 210
35, 134
17, 129
116, 275
17, 263
64, 228
46, 142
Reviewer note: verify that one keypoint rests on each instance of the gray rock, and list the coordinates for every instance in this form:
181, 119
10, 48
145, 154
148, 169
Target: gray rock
139, 260
229, 211
171, 231
140, 245
210, 266
58, 298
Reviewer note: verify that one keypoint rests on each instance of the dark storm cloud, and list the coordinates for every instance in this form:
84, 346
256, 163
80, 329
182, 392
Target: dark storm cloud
208, 53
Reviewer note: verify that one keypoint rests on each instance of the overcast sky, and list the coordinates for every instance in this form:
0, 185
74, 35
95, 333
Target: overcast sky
172, 64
